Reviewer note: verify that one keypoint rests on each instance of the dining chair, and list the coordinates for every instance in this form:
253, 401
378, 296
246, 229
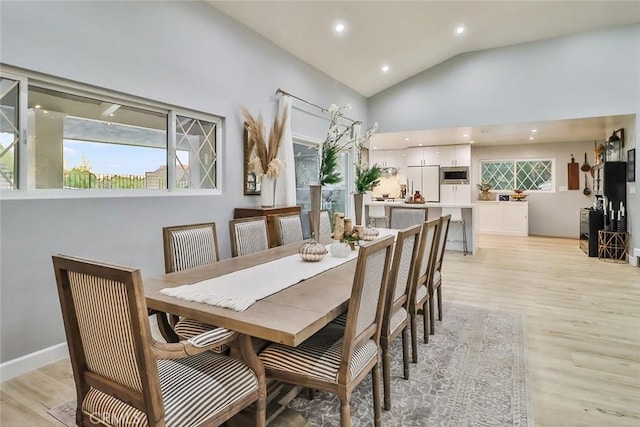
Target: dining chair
289, 228
457, 218
435, 283
396, 311
419, 294
248, 235
325, 223
337, 359
185, 247
401, 217
124, 377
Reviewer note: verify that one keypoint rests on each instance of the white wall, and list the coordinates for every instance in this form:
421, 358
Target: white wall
182, 53
585, 75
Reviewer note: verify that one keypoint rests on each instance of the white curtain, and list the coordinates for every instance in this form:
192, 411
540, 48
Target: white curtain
286, 181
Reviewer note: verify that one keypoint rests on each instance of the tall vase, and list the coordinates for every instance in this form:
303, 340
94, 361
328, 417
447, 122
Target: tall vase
357, 204
316, 199
268, 192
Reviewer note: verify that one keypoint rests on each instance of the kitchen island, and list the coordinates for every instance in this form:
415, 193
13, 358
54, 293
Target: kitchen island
454, 239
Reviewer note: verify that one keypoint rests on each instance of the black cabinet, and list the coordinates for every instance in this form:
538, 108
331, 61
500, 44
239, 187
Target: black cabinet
591, 220
610, 179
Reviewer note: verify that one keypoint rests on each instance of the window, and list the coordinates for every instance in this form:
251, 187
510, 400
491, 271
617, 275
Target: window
80, 139
531, 175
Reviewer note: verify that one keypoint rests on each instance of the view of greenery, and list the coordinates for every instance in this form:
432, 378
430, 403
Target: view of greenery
83, 177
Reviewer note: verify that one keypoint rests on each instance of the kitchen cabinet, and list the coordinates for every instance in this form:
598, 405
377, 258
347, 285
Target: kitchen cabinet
386, 158
423, 156
455, 155
425, 179
456, 194
511, 218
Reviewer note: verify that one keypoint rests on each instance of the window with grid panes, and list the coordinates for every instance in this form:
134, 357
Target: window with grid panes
530, 175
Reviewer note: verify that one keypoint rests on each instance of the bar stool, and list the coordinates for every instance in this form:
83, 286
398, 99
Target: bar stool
456, 217
377, 212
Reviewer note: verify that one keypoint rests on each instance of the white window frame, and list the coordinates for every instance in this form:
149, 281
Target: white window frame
514, 161
25, 188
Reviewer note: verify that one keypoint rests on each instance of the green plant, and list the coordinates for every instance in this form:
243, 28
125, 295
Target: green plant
484, 186
367, 177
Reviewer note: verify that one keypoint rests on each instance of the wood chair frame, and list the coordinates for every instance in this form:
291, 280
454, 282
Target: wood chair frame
234, 235
435, 286
278, 226
403, 208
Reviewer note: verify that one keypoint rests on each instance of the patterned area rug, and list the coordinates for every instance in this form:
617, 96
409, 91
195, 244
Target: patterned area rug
472, 373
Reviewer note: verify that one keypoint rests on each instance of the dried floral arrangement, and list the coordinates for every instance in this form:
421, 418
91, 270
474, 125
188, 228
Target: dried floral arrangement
263, 160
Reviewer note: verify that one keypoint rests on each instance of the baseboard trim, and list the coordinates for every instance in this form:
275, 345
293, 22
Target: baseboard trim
31, 362
635, 259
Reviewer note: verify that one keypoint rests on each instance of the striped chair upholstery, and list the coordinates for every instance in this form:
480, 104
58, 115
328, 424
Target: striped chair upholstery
325, 224
289, 229
337, 359
423, 270
396, 315
115, 360
190, 246
401, 217
248, 235
435, 283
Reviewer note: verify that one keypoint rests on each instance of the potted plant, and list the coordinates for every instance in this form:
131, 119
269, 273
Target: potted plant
484, 188
367, 176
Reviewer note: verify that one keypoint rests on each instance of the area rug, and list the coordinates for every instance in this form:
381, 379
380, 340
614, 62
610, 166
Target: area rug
473, 372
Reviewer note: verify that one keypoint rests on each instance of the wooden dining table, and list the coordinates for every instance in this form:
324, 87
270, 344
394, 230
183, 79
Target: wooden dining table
289, 316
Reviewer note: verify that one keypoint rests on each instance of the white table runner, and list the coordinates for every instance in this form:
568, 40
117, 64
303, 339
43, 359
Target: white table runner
241, 289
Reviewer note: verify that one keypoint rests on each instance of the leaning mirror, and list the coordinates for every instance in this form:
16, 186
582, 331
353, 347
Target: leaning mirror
251, 180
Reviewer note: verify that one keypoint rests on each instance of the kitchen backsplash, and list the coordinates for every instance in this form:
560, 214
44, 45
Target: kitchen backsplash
388, 185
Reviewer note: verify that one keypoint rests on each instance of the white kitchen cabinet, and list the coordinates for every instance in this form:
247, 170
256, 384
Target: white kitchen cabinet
510, 218
455, 194
425, 179
386, 158
423, 156
455, 155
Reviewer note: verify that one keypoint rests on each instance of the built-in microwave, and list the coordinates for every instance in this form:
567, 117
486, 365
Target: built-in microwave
454, 175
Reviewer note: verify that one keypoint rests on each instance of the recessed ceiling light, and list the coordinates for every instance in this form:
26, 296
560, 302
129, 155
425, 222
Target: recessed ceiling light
420, 145
531, 138
375, 148
37, 106
471, 142
110, 114
385, 68
466, 135
534, 130
459, 29
45, 111
339, 27
108, 123
406, 139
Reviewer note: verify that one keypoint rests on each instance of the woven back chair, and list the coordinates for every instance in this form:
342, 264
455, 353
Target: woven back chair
401, 217
124, 377
435, 284
337, 359
423, 270
396, 312
289, 229
190, 246
325, 224
248, 235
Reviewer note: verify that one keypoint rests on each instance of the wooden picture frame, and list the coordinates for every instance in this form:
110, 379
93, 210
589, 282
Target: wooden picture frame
631, 165
250, 179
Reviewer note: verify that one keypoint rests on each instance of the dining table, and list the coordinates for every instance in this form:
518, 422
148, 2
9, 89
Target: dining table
289, 316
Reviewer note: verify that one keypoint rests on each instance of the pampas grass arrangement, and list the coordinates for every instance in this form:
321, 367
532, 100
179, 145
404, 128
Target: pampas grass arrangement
263, 154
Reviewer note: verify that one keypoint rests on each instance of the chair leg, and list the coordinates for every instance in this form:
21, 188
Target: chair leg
386, 376
432, 325
426, 318
414, 338
345, 412
405, 352
439, 291
464, 237
375, 374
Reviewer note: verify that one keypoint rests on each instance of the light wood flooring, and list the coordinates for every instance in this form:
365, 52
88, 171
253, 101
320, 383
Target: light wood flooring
583, 332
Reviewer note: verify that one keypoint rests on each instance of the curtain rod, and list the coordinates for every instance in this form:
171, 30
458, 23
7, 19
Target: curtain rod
324, 110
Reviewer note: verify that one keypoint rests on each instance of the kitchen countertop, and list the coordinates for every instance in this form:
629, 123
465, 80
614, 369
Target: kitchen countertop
423, 205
